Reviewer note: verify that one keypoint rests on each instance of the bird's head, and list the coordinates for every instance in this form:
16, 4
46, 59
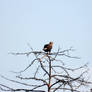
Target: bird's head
51, 43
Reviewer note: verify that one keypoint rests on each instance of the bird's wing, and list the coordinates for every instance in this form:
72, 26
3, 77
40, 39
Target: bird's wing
45, 46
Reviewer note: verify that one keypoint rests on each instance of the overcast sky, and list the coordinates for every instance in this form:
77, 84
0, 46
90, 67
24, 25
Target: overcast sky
65, 22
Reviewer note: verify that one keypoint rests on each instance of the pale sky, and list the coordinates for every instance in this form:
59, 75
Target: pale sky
65, 22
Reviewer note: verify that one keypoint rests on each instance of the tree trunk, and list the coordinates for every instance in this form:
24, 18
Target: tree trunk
49, 86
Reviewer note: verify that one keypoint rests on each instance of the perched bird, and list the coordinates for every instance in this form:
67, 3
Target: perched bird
48, 47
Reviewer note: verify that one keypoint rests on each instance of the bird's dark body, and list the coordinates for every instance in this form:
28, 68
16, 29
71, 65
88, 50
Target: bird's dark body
48, 47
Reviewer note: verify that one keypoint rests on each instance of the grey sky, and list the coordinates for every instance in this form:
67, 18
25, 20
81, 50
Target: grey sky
65, 22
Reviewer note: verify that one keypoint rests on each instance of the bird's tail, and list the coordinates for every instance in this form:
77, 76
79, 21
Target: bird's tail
44, 48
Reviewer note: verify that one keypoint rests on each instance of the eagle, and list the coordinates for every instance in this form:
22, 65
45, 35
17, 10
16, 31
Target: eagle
47, 47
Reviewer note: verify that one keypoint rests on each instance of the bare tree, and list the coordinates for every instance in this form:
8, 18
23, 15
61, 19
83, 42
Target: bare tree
51, 72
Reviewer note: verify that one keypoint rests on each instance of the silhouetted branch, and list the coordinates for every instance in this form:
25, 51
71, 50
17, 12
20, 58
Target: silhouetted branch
57, 77
33, 78
17, 81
